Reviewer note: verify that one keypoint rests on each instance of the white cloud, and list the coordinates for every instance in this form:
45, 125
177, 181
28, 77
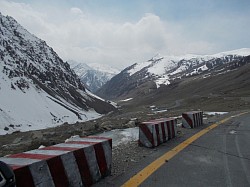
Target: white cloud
84, 38
76, 11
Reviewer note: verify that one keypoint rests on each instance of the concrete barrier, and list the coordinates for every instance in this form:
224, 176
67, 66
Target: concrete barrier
156, 132
80, 162
192, 119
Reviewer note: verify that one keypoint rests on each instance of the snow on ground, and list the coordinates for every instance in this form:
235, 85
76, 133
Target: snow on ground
179, 70
160, 111
197, 70
128, 99
122, 136
119, 136
162, 81
138, 67
215, 113
34, 109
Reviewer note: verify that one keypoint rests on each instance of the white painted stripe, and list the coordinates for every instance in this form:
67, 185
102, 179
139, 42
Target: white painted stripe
71, 145
108, 154
71, 169
47, 152
166, 130
18, 161
170, 128
153, 131
175, 126
41, 174
88, 140
199, 119
148, 122
92, 163
160, 133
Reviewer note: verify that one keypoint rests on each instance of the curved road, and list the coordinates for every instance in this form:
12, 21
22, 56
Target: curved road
221, 157
216, 155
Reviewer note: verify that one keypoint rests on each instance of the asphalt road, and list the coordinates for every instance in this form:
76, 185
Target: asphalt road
220, 157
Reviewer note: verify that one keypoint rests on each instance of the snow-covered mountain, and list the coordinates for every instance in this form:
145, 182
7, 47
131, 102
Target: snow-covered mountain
37, 89
163, 70
93, 75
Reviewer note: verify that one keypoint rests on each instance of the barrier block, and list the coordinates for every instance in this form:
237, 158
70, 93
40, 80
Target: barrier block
156, 132
192, 119
80, 162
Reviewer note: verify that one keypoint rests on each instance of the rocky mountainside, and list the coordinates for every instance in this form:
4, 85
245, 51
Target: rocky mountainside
145, 77
94, 75
37, 89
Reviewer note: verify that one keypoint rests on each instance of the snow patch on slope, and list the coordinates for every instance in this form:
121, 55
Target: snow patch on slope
161, 68
162, 81
35, 109
138, 66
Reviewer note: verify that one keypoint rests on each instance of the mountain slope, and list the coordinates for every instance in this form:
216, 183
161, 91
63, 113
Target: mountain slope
94, 75
37, 89
221, 92
141, 78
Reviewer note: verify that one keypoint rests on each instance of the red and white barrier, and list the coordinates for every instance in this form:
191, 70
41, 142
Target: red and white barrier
80, 162
192, 119
156, 132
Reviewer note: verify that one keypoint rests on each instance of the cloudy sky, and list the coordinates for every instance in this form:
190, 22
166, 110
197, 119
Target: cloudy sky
122, 32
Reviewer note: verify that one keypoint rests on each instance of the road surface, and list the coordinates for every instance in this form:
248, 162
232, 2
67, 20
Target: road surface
217, 157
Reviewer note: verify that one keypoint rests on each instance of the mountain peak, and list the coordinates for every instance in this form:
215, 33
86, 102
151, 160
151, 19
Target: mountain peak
37, 88
156, 57
94, 75
160, 71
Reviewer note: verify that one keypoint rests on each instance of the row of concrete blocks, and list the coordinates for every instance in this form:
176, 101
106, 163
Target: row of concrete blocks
84, 161
155, 132
80, 162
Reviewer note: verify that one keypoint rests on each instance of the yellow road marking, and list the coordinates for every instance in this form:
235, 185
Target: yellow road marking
137, 179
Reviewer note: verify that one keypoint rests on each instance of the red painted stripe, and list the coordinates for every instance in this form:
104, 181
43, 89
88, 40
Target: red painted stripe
157, 133
23, 177
189, 121
147, 133
31, 156
80, 142
101, 159
163, 132
168, 127
60, 148
98, 137
57, 172
173, 127
102, 138
83, 167
14, 167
